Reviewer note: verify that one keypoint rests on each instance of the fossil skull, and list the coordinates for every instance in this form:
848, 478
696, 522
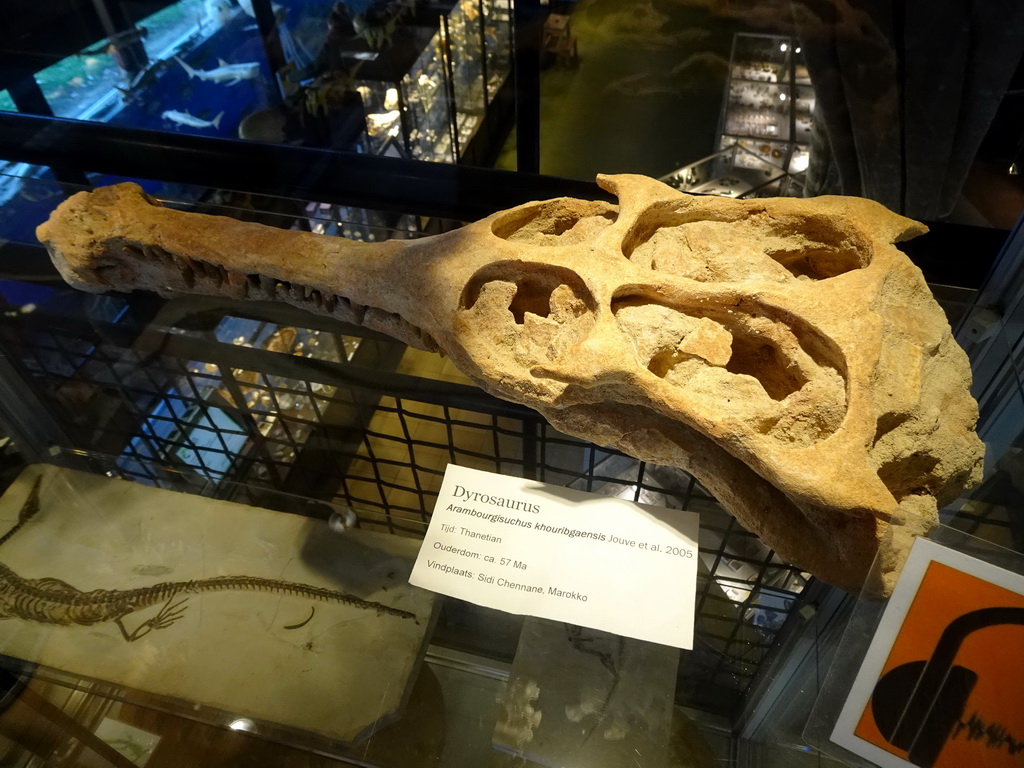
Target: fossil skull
782, 351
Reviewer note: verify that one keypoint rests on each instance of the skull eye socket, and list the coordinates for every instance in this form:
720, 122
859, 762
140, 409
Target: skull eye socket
540, 289
735, 245
555, 222
533, 312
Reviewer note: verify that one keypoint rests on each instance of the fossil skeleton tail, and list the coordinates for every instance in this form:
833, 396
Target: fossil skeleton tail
28, 510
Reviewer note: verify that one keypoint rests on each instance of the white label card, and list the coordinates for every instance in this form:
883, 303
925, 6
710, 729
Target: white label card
541, 550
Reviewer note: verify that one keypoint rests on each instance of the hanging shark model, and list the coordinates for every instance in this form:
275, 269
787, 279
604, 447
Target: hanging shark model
184, 118
232, 74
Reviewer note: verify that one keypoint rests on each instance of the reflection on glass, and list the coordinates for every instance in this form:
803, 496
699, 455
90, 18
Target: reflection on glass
497, 16
176, 69
74, 85
766, 124
426, 95
465, 28
199, 66
170, 28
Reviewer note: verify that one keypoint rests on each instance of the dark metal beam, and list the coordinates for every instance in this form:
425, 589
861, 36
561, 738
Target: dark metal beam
345, 178
527, 37
269, 34
426, 189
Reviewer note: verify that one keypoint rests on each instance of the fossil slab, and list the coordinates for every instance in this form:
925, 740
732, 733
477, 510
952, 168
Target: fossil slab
783, 351
77, 578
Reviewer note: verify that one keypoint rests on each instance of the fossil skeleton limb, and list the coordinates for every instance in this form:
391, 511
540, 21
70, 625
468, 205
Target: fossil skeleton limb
782, 351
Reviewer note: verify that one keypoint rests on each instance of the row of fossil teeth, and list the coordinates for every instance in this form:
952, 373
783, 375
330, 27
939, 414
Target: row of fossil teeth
205, 277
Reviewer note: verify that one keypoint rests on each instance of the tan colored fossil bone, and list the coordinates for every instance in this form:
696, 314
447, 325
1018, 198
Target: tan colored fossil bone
782, 351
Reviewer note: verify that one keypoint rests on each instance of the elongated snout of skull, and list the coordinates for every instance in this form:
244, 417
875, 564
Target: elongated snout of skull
784, 351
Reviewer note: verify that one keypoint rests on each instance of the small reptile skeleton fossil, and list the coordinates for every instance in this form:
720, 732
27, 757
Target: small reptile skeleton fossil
52, 601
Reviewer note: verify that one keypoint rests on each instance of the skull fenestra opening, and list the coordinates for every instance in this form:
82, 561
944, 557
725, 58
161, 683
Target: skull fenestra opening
783, 351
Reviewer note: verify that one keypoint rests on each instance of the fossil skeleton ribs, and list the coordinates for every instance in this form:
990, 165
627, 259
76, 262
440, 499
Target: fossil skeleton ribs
782, 351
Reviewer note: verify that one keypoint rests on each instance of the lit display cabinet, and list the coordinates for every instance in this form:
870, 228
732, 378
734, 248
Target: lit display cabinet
191, 66
414, 84
427, 94
406, 96
430, 105
769, 104
463, 30
764, 127
497, 24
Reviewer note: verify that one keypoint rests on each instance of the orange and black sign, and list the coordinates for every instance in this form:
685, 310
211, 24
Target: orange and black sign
951, 691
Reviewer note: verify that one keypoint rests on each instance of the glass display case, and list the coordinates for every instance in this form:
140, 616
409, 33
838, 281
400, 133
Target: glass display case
431, 106
463, 34
274, 408
318, 418
405, 94
497, 29
427, 90
764, 127
248, 453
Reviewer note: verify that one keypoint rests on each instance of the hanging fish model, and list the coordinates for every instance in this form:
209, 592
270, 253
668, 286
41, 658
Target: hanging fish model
232, 74
184, 118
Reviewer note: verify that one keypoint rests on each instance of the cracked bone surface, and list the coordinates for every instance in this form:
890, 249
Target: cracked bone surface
783, 351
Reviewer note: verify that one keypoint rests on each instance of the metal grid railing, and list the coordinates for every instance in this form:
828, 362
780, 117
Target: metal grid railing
198, 411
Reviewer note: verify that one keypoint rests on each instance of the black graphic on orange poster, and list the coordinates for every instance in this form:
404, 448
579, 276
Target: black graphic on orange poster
951, 693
